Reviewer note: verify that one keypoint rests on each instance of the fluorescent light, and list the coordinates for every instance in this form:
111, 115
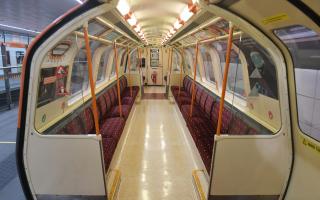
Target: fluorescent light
137, 29
177, 25
79, 1
123, 7
172, 31
132, 20
186, 14
18, 28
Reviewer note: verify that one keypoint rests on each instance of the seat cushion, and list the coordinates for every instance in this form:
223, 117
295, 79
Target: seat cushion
86, 117
202, 127
126, 92
115, 111
127, 101
112, 127
109, 146
74, 127
196, 112
238, 127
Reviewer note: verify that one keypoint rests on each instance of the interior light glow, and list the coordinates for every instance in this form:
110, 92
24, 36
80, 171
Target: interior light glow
137, 29
194, 1
123, 7
132, 20
186, 14
177, 25
18, 28
172, 31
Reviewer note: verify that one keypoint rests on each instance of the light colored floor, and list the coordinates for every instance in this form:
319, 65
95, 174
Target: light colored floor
154, 89
155, 162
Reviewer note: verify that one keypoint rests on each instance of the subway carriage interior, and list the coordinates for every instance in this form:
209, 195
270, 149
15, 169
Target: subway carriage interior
176, 99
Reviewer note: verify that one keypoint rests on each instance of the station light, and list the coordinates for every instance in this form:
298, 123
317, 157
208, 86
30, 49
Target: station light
123, 7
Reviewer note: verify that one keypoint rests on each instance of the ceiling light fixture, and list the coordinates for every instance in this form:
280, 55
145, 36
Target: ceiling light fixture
132, 20
123, 7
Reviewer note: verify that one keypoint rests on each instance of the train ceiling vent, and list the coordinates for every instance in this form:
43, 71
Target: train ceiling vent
111, 17
200, 20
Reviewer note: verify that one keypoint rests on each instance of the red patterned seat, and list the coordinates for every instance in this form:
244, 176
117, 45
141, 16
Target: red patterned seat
102, 107
135, 91
252, 131
196, 111
109, 146
86, 117
127, 101
115, 111
112, 127
74, 127
238, 127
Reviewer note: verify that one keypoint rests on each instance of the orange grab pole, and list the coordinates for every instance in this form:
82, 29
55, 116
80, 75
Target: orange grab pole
182, 64
117, 76
194, 79
225, 77
129, 77
91, 81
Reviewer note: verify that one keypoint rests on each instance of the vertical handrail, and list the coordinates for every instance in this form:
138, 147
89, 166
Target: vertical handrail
117, 76
181, 71
129, 68
91, 81
194, 79
225, 78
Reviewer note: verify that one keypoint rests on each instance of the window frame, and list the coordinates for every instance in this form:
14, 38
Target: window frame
302, 132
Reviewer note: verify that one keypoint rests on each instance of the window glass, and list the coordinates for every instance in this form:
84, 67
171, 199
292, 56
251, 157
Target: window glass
261, 68
175, 61
123, 58
187, 60
193, 58
235, 74
133, 61
79, 75
103, 64
304, 46
207, 64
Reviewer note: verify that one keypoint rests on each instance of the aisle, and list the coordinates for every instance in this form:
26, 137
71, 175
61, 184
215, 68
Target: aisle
156, 164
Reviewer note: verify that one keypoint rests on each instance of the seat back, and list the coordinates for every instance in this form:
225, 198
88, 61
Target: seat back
74, 127
86, 117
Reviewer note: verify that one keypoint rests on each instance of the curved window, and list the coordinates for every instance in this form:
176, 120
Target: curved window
304, 46
79, 75
193, 58
103, 64
133, 61
261, 68
235, 74
207, 64
175, 61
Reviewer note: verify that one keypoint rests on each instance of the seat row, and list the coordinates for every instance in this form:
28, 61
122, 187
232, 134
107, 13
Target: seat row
111, 123
202, 124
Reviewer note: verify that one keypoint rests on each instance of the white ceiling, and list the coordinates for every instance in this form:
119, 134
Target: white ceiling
156, 17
